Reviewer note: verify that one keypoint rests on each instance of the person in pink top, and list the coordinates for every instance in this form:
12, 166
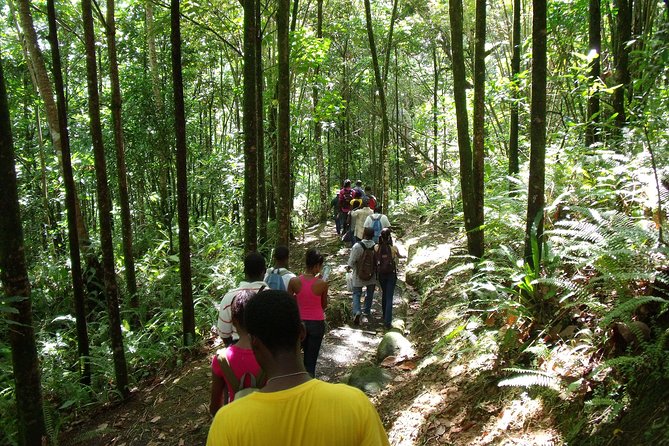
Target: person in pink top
311, 293
238, 357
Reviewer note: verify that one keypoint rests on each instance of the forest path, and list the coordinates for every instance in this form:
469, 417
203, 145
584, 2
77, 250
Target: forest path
172, 410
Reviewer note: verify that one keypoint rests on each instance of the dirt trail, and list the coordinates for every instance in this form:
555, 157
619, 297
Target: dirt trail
172, 410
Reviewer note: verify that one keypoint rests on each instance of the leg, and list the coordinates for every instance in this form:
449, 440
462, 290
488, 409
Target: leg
368, 299
388, 296
357, 292
312, 344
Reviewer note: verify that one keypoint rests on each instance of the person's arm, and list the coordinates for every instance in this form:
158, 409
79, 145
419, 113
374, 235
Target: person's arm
294, 286
218, 394
353, 257
324, 294
224, 323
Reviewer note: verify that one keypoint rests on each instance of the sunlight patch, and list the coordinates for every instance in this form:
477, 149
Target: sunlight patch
406, 427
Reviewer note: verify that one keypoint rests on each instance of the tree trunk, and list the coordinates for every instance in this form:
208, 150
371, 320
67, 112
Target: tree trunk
104, 203
188, 311
464, 145
283, 124
478, 162
435, 111
260, 143
385, 127
14, 277
535, 193
318, 129
70, 194
250, 130
595, 45
621, 56
119, 143
515, 71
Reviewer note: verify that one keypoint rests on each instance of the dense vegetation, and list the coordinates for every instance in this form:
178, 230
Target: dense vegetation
377, 92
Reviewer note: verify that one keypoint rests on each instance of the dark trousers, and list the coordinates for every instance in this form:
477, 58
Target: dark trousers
312, 344
387, 283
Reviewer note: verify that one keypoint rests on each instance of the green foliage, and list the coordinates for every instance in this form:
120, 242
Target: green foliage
529, 378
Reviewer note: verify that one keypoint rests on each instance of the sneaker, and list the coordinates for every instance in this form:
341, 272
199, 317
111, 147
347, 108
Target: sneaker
356, 319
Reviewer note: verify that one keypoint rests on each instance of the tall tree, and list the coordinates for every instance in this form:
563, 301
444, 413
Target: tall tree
119, 143
621, 57
515, 71
260, 143
14, 277
462, 121
385, 126
249, 125
70, 204
104, 203
318, 127
595, 45
187, 308
535, 194
283, 123
478, 168
435, 111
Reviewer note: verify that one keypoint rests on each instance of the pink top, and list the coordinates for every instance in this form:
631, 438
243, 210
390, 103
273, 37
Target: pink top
241, 361
308, 302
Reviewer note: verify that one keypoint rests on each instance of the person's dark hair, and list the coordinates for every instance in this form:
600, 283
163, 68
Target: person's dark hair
347, 183
378, 209
365, 202
313, 258
254, 266
272, 316
281, 253
368, 190
368, 233
385, 236
358, 183
238, 306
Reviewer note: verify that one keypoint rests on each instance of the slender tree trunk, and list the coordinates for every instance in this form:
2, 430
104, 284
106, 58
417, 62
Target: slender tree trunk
250, 130
595, 45
435, 109
119, 143
535, 193
70, 194
621, 56
262, 190
188, 311
104, 203
478, 162
464, 145
283, 124
385, 127
515, 71
14, 277
318, 129
389, 44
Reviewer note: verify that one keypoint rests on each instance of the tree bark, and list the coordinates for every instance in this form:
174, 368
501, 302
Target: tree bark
249, 125
188, 311
119, 143
595, 45
104, 203
385, 127
318, 130
283, 124
435, 112
621, 57
260, 143
70, 194
460, 99
478, 162
513, 119
14, 277
535, 194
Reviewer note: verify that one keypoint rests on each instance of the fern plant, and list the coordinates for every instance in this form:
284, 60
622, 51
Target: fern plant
528, 378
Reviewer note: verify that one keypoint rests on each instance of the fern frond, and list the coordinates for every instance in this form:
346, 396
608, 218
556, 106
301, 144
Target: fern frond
625, 309
528, 378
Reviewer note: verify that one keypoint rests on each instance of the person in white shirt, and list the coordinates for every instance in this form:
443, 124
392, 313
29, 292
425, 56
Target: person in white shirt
373, 222
254, 270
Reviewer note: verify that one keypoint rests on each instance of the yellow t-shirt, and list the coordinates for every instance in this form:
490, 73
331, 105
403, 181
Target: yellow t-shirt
314, 413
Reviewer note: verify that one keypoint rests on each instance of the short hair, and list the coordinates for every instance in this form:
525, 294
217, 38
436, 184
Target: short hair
378, 209
254, 265
281, 253
365, 202
347, 183
313, 258
272, 316
238, 306
358, 183
368, 189
368, 233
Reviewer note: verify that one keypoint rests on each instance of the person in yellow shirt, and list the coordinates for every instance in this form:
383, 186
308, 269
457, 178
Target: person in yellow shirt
293, 408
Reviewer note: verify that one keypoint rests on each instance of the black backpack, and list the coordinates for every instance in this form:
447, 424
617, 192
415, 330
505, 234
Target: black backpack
385, 264
365, 267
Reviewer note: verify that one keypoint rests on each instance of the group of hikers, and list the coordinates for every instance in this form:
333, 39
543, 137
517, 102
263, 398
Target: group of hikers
273, 324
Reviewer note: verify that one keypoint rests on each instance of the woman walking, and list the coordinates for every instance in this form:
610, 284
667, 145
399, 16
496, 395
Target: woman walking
386, 268
311, 293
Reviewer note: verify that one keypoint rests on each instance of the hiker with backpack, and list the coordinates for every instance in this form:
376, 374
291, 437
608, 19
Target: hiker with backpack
361, 260
292, 408
345, 197
358, 218
377, 221
278, 276
371, 199
386, 257
334, 204
254, 270
234, 369
311, 293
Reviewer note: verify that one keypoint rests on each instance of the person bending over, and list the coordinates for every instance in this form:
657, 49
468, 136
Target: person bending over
293, 408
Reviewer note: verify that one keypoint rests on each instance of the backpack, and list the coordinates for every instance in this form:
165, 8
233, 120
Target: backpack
275, 280
346, 195
377, 227
238, 385
385, 264
365, 265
